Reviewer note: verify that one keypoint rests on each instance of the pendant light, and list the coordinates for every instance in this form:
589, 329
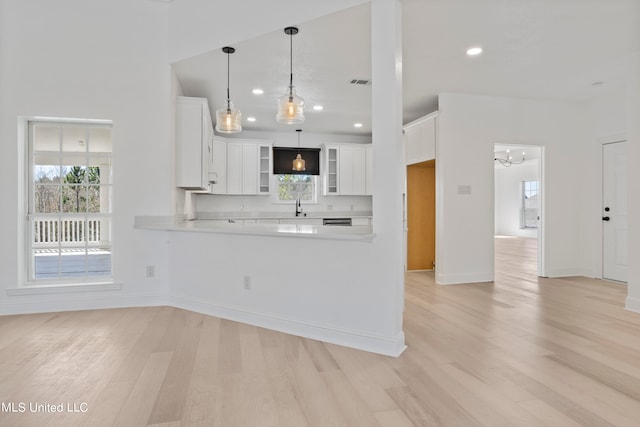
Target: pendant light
290, 105
228, 119
298, 162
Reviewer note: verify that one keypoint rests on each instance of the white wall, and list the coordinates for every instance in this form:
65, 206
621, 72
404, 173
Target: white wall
472, 124
508, 197
95, 60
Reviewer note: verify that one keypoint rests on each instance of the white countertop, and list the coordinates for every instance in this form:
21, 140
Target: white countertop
282, 215
363, 233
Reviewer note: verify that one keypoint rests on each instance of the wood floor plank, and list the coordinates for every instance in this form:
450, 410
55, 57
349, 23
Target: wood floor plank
393, 418
200, 404
170, 401
141, 400
290, 412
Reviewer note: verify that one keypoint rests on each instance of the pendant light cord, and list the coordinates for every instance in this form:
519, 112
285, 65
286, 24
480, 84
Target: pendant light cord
228, 72
290, 66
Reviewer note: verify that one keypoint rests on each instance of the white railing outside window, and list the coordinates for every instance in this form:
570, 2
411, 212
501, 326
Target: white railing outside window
67, 232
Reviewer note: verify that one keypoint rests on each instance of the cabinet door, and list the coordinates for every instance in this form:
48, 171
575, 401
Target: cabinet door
369, 170
249, 169
218, 167
345, 170
331, 174
352, 172
420, 141
189, 146
207, 143
264, 173
234, 168
359, 170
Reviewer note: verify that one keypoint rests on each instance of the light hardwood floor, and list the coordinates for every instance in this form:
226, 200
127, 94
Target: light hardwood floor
520, 351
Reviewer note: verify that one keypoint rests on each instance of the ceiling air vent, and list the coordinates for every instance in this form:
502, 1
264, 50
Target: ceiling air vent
360, 82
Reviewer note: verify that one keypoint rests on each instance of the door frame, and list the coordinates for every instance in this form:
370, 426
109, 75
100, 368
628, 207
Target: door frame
602, 142
541, 270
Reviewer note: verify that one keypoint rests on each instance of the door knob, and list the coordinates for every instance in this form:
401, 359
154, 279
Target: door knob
605, 218
607, 209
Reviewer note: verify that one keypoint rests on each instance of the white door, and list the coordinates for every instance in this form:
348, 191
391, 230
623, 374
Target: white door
614, 211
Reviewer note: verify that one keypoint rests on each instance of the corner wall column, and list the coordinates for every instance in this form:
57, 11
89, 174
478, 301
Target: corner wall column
633, 177
388, 181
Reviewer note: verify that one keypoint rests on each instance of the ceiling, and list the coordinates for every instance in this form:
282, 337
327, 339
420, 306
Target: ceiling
551, 49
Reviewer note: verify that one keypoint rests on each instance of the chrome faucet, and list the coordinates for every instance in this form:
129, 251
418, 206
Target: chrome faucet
298, 207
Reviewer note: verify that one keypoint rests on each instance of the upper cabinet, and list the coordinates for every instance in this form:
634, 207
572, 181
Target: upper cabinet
194, 138
420, 139
348, 169
248, 166
213, 164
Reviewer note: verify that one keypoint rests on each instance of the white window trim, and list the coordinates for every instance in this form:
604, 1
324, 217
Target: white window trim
28, 285
274, 194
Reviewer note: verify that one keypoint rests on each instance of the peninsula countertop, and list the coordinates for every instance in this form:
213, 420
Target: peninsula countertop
284, 227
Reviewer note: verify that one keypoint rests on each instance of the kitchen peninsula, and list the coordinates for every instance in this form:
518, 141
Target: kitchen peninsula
265, 224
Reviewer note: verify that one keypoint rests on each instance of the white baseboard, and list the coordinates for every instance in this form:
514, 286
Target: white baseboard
632, 304
459, 279
69, 301
354, 339
567, 272
77, 303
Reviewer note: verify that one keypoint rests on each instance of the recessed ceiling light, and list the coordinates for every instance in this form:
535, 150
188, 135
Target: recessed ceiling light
257, 91
474, 51
318, 107
251, 119
357, 125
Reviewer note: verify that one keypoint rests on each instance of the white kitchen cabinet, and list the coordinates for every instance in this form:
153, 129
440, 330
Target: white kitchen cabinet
420, 139
234, 168
346, 170
248, 166
369, 170
264, 167
218, 166
194, 138
331, 174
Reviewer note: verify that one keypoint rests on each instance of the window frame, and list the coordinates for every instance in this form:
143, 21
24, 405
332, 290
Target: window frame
523, 208
276, 191
87, 218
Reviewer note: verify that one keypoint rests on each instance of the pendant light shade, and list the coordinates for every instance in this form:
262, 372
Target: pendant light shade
228, 119
298, 162
290, 105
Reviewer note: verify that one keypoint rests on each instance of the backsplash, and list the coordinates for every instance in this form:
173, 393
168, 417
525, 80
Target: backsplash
208, 203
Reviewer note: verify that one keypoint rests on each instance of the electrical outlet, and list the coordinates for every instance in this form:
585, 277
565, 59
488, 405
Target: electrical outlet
151, 271
247, 283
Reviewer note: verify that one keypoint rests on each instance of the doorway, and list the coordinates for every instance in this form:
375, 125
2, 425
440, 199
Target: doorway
421, 215
614, 211
519, 201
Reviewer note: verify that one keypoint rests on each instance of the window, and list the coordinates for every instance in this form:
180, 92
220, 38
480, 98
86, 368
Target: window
69, 201
294, 187
529, 211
